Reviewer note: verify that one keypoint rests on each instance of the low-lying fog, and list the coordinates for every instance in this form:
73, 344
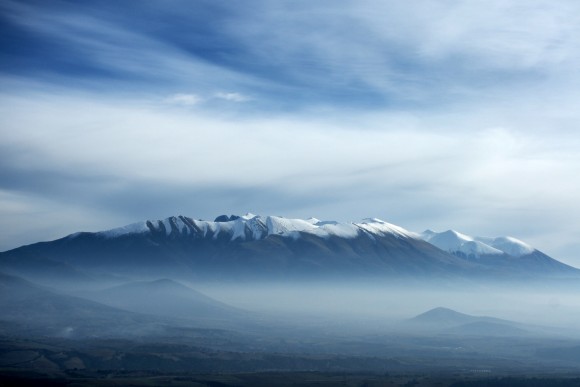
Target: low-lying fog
550, 305
369, 306
397, 326
556, 308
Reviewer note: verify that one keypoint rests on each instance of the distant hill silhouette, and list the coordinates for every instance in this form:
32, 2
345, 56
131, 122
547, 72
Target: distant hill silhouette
164, 297
449, 321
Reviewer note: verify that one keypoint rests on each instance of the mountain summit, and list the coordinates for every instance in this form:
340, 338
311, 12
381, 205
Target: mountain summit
450, 321
458, 243
255, 227
507, 252
252, 247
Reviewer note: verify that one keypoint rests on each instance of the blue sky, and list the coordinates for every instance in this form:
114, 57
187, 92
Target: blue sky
428, 114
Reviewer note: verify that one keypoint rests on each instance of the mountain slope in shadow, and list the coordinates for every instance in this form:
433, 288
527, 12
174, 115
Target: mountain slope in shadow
166, 298
449, 321
36, 310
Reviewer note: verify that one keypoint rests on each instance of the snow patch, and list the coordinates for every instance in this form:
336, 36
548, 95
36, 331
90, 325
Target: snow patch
255, 227
258, 228
239, 229
181, 226
167, 224
133, 228
453, 241
289, 227
510, 245
380, 227
341, 230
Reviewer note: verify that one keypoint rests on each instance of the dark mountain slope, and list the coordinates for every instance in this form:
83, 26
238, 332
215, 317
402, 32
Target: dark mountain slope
203, 254
264, 248
165, 298
39, 311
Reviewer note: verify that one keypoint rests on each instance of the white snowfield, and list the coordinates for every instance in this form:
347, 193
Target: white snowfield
261, 226
256, 227
133, 228
454, 242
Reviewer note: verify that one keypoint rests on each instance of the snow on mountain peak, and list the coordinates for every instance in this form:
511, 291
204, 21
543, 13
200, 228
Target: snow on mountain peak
373, 220
427, 233
254, 227
313, 220
133, 228
378, 226
289, 227
455, 242
508, 245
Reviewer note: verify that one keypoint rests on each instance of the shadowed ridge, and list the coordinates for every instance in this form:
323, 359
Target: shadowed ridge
37, 310
450, 321
164, 297
441, 315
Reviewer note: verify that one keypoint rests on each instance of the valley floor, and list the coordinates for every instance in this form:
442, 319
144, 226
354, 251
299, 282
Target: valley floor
287, 379
117, 362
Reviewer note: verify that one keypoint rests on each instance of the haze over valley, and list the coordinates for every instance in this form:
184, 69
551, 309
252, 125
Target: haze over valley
264, 293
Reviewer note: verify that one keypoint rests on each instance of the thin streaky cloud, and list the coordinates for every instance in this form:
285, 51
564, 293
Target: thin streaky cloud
184, 99
232, 96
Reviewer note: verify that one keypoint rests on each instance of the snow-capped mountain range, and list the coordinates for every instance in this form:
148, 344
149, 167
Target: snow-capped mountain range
273, 247
457, 243
255, 227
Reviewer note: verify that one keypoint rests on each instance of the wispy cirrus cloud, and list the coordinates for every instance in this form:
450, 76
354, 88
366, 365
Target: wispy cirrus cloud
184, 99
391, 54
189, 99
233, 97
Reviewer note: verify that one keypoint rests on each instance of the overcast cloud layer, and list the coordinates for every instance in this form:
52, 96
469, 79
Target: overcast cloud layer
427, 114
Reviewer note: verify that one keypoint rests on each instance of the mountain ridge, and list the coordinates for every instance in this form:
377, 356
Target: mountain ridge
456, 242
449, 321
164, 297
253, 247
250, 226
